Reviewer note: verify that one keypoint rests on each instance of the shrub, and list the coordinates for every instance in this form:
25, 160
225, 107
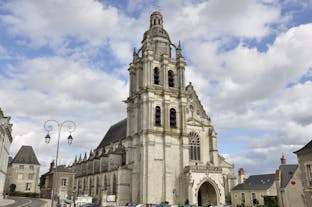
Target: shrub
25, 194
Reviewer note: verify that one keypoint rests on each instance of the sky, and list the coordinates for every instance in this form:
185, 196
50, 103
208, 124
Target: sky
250, 62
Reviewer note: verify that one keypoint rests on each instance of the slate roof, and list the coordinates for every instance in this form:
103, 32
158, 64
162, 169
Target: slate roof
287, 172
115, 133
26, 155
257, 182
306, 149
63, 168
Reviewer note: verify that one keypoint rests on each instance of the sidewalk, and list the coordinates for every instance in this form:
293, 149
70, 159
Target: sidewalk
47, 202
4, 202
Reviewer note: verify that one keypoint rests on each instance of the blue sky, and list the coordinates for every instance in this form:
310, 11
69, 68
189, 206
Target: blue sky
249, 61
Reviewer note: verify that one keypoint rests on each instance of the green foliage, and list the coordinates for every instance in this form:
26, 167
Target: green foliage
270, 201
12, 188
42, 181
25, 194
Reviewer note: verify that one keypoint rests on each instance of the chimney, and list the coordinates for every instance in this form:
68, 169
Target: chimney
277, 175
51, 166
241, 176
283, 160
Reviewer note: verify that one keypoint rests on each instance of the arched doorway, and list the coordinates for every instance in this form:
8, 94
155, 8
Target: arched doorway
207, 195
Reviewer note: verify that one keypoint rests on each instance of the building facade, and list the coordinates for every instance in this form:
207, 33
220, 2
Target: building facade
288, 185
255, 187
63, 183
166, 148
304, 156
284, 187
5, 143
23, 172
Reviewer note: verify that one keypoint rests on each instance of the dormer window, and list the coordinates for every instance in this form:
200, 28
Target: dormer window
170, 78
157, 116
173, 118
156, 76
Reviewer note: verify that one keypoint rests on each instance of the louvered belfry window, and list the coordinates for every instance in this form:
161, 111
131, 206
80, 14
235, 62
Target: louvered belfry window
173, 118
157, 116
156, 76
170, 78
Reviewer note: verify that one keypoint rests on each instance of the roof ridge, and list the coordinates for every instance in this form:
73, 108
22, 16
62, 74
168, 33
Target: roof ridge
305, 148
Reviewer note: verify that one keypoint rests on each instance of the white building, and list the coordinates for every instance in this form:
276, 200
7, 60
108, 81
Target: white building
5, 143
166, 148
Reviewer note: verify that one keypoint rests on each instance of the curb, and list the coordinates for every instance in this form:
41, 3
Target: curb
7, 202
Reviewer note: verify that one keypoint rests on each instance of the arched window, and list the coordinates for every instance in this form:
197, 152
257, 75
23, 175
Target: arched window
79, 186
97, 185
170, 78
84, 186
105, 182
157, 116
194, 141
156, 76
173, 118
154, 21
91, 185
114, 185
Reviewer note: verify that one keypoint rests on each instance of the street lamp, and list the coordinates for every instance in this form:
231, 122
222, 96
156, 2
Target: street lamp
48, 126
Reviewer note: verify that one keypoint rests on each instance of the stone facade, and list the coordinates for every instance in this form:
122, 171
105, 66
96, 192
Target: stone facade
64, 182
23, 171
304, 156
168, 151
5, 143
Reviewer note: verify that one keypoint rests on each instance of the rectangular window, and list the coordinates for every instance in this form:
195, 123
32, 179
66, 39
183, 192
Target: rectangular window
21, 167
28, 186
31, 167
243, 198
20, 176
64, 182
309, 174
30, 176
253, 196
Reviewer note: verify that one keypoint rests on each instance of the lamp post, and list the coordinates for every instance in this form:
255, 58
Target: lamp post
48, 126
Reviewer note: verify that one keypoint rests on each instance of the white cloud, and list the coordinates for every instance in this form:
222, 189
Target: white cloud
245, 75
210, 19
55, 88
240, 88
49, 22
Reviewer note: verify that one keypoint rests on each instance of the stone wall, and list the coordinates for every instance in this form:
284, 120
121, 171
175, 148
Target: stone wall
303, 160
19, 176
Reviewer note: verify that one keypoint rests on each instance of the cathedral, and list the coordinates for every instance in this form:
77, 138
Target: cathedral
166, 148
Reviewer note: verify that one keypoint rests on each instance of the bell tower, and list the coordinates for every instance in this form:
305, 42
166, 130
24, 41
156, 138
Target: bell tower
156, 117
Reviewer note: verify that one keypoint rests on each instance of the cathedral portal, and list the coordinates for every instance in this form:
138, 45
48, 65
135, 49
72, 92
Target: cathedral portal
207, 195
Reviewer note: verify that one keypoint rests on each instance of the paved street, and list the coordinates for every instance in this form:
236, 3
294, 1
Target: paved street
26, 202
